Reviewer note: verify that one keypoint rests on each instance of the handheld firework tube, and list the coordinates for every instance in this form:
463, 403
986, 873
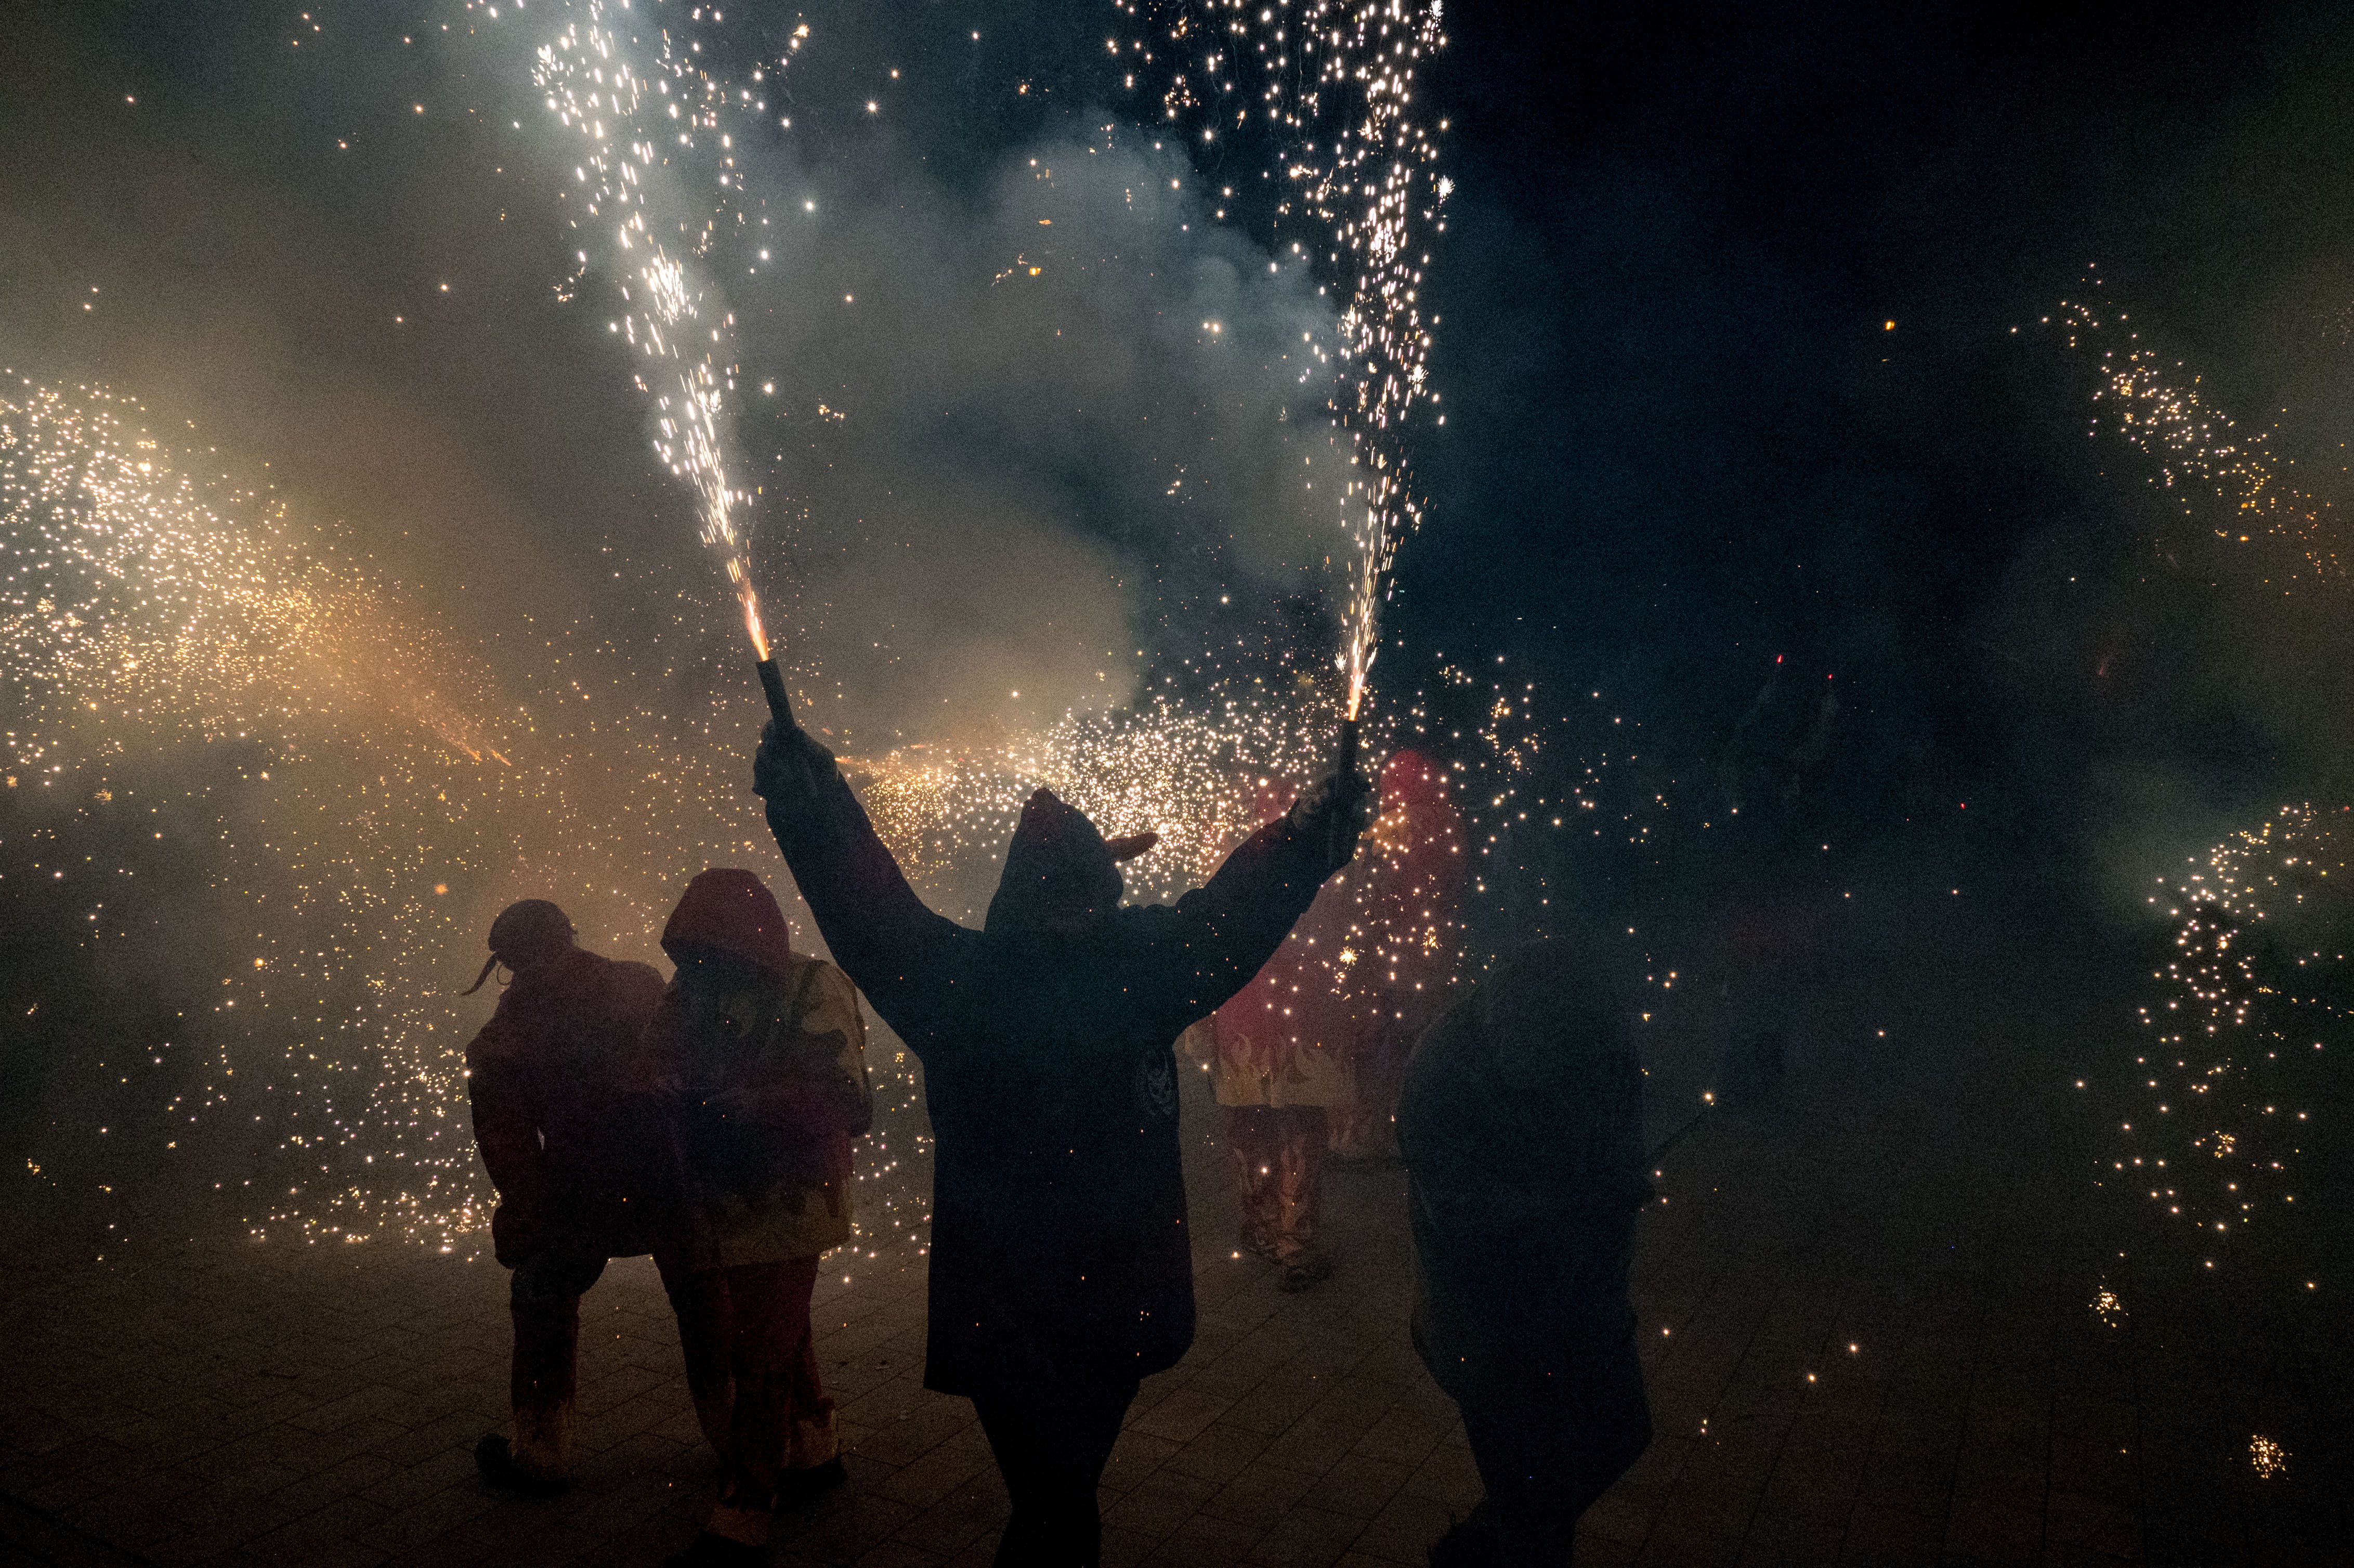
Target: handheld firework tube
780, 706
1344, 771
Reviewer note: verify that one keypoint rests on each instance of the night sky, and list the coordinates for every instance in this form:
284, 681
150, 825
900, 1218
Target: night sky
1679, 393
1744, 349
1682, 438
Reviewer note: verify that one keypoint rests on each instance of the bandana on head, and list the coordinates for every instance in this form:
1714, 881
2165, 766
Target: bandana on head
522, 932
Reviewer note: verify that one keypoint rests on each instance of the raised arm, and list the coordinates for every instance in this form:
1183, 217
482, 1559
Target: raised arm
1206, 947
878, 931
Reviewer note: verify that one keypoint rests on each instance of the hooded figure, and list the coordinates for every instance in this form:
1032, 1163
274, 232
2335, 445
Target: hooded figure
1061, 1262
1521, 1122
1277, 1051
578, 1167
760, 1055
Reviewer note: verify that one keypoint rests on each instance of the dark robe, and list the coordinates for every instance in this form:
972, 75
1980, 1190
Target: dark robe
1521, 1122
1060, 1251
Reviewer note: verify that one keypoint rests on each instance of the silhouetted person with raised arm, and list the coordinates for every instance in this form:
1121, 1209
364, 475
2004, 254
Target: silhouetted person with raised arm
1061, 1263
1522, 1123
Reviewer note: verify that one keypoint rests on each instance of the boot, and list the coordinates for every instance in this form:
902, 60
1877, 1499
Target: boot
709, 1550
812, 1459
497, 1463
1305, 1272
543, 1441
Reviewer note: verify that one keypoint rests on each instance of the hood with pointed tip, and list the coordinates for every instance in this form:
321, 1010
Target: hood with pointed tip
1060, 871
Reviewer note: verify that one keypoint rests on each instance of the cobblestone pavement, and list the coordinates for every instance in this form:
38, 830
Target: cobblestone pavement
1866, 1325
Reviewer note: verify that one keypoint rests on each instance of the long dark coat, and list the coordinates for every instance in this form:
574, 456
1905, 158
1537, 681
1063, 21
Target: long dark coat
1521, 1122
1059, 1250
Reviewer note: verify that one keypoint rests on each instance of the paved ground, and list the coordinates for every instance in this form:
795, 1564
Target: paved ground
1867, 1326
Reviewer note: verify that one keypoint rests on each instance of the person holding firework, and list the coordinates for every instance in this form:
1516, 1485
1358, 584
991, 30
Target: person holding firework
1060, 1260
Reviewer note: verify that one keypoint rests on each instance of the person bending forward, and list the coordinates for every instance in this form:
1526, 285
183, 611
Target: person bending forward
578, 1169
1061, 1263
761, 1056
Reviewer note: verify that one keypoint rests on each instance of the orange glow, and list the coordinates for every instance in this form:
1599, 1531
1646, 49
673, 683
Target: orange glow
752, 617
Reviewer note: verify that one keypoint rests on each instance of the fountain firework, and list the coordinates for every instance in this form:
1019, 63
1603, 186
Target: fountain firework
198, 685
1333, 109
651, 122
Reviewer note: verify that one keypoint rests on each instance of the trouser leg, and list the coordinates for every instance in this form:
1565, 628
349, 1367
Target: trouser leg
811, 1440
699, 1300
1298, 1162
1051, 1444
1541, 1473
543, 1380
1360, 1125
765, 1354
746, 1332
1254, 1158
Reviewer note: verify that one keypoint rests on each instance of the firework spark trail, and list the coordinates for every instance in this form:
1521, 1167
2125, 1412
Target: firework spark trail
146, 610
131, 593
1191, 772
2162, 408
393, 855
380, 803
651, 121
1335, 95
385, 800
1203, 772
2257, 985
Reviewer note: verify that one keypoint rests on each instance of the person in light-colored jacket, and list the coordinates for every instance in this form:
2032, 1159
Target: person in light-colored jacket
760, 1054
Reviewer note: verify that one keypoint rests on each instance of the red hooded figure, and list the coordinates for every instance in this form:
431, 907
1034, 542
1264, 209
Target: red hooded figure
1277, 1051
761, 1055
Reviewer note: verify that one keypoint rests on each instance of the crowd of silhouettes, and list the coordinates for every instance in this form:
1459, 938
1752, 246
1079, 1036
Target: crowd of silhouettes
711, 1123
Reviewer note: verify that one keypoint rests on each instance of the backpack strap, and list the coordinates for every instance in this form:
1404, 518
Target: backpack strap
802, 995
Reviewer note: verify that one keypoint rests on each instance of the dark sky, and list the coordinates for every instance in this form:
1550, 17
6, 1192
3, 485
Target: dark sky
1682, 438
1683, 232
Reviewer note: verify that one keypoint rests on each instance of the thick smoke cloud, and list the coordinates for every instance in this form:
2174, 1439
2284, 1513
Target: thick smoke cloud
1022, 457
1030, 438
